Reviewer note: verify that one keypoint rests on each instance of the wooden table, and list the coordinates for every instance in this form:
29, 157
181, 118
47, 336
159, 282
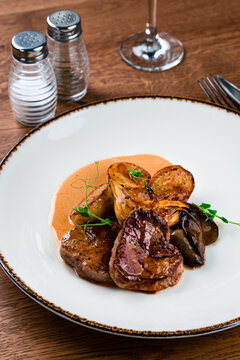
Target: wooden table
209, 30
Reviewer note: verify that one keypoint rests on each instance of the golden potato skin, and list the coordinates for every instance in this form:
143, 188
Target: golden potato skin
129, 193
169, 210
117, 172
173, 183
100, 203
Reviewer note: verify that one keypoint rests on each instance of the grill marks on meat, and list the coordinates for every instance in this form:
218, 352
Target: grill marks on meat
88, 252
142, 257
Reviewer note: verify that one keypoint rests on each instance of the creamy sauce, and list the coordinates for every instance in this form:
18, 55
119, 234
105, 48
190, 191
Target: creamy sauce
67, 197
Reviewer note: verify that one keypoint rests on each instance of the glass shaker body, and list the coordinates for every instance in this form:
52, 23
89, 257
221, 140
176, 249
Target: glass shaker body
32, 85
71, 66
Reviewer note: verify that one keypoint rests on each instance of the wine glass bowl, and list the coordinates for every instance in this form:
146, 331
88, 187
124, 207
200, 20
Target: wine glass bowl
150, 50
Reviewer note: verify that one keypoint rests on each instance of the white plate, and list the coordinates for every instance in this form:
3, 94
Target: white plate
202, 138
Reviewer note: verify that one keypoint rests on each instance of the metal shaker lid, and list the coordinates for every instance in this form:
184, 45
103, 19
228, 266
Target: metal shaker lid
29, 46
64, 25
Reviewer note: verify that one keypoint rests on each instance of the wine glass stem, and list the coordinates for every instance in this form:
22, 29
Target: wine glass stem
151, 25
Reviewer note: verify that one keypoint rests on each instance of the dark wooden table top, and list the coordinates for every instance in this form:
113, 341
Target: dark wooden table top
210, 33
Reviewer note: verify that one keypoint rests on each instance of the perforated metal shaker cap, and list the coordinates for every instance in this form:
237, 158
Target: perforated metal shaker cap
29, 46
64, 25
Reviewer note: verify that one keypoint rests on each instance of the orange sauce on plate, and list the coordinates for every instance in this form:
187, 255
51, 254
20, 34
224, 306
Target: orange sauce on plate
67, 197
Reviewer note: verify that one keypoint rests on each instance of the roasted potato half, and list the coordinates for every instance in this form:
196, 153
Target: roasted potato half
100, 203
173, 183
129, 192
123, 174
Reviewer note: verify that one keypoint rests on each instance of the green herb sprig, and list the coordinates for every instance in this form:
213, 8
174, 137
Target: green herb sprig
211, 214
137, 175
134, 174
84, 210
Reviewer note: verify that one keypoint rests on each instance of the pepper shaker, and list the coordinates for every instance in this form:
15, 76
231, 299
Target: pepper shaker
68, 54
32, 84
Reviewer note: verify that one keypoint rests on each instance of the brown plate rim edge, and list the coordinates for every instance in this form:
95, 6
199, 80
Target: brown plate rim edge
75, 318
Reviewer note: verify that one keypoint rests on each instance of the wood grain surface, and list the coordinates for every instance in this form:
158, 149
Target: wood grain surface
209, 30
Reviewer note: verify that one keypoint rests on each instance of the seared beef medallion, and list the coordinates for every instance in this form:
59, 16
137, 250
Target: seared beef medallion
89, 251
142, 257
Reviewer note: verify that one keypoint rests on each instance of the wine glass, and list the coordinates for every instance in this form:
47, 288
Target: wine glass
150, 50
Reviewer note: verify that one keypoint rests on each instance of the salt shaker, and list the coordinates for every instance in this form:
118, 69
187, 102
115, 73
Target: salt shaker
68, 54
32, 84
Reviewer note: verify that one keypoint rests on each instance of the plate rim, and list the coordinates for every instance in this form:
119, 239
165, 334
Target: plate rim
73, 317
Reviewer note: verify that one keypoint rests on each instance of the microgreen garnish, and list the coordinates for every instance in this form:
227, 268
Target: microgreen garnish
149, 190
84, 210
211, 214
137, 175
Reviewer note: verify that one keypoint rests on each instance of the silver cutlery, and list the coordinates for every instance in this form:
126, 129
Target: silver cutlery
220, 91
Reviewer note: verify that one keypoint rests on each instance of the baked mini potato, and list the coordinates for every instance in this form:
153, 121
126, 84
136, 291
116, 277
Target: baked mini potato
129, 191
100, 203
173, 183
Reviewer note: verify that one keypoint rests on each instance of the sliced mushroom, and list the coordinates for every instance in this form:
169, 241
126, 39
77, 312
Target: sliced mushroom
209, 227
187, 237
173, 183
180, 240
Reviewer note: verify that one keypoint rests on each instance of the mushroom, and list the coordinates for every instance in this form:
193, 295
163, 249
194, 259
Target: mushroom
209, 227
186, 235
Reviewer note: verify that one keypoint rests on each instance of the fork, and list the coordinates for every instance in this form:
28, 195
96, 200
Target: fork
215, 92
